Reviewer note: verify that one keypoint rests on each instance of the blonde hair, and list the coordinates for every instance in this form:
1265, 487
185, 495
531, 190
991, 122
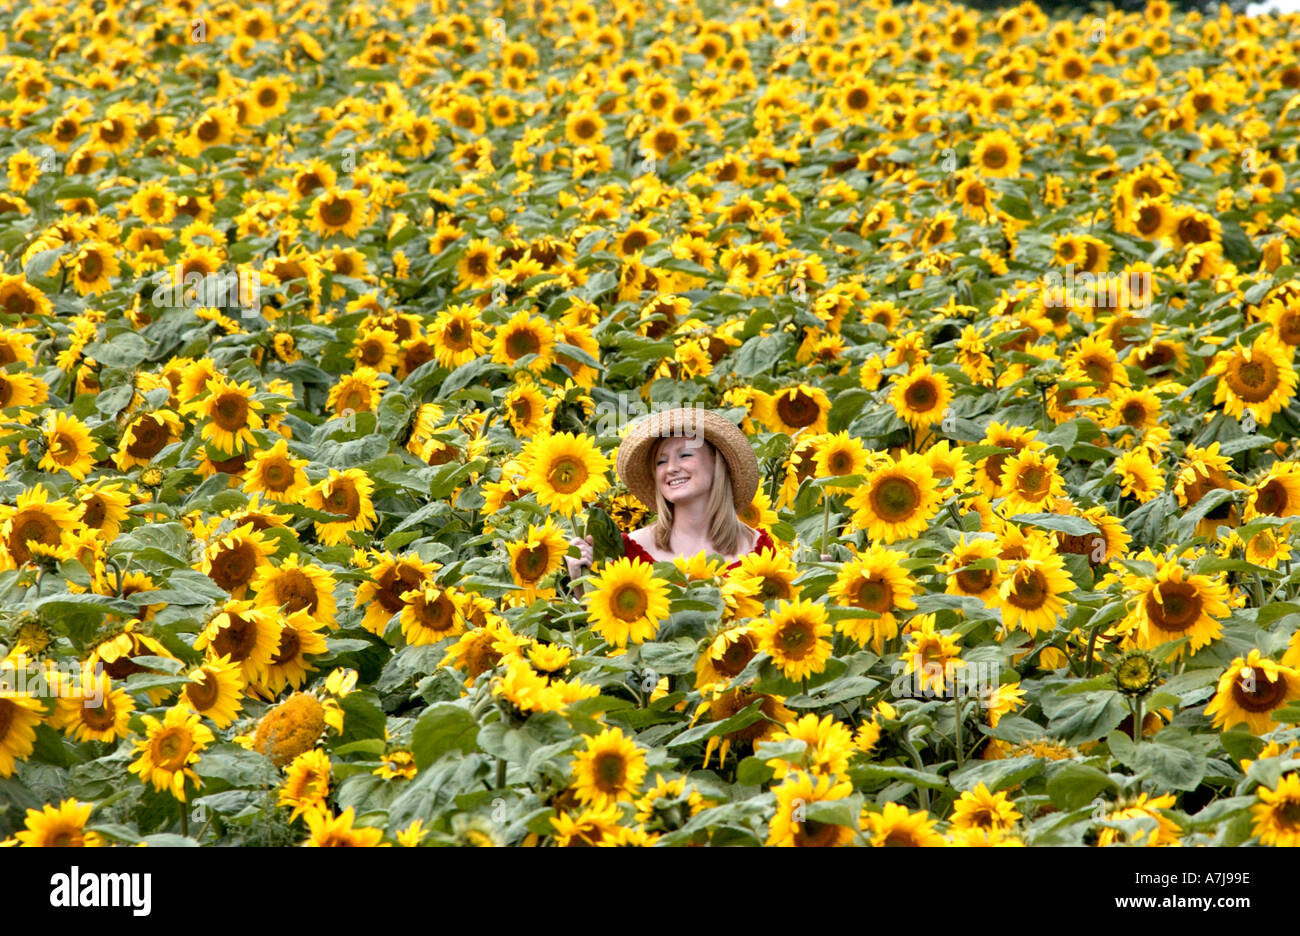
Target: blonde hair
724, 524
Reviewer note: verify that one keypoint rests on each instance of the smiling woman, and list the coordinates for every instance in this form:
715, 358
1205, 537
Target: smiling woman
697, 470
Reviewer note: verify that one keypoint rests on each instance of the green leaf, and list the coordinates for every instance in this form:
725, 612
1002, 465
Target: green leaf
1074, 785
1071, 526
872, 773
442, 728
742, 719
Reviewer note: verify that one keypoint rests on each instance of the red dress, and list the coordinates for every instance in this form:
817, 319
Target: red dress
634, 550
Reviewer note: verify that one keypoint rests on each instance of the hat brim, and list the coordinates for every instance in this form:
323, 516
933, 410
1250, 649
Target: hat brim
633, 460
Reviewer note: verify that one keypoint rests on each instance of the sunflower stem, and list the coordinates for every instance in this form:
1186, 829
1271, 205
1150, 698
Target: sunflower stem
1137, 720
185, 819
826, 519
956, 731
1257, 588
501, 774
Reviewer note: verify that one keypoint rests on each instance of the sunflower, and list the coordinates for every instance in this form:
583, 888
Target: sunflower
981, 809
337, 831
19, 717
233, 562
539, 554
723, 704
358, 392
104, 507
838, 455
432, 613
1276, 494
1172, 603
798, 409
774, 569
1160, 831
276, 474
457, 336
108, 720
996, 155
390, 578
522, 336
627, 602
307, 783
347, 494
897, 500
874, 581
68, 446
931, 656
609, 770
1141, 480
296, 585
589, 828
1250, 690
790, 826
797, 637
300, 637
527, 410
922, 397
245, 635
896, 826
64, 827
1260, 378
335, 211
170, 749
1031, 591
989, 473
231, 414
973, 570
828, 745
566, 471
215, 690
1277, 814
35, 524
726, 656
291, 728
92, 266
1030, 484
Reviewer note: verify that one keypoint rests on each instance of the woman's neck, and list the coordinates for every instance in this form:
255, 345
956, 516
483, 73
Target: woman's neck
690, 528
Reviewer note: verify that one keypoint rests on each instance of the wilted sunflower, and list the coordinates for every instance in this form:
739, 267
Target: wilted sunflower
170, 749
565, 471
291, 728
897, 500
1259, 380
627, 602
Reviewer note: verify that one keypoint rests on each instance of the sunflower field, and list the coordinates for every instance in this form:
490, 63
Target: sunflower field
321, 322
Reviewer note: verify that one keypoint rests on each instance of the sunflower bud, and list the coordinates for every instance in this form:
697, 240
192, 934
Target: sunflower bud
1136, 672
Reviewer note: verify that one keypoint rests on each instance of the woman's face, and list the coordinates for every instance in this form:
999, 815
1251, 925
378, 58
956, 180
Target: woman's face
684, 469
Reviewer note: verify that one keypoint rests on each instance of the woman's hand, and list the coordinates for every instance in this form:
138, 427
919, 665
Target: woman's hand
578, 567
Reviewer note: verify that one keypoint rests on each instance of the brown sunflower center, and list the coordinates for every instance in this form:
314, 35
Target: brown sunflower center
1253, 380
28, 526
523, 341
629, 603
230, 411
567, 475
895, 498
233, 566
202, 695
610, 771
343, 499
91, 266
995, 157
921, 395
875, 596
974, 581
1272, 499
171, 748
100, 718
1178, 607
531, 563
336, 212
290, 644
277, 475
1030, 591
438, 614
294, 589
736, 657
1255, 692
795, 639
797, 409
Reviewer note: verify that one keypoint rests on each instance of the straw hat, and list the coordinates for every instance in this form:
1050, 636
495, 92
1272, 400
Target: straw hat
633, 463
